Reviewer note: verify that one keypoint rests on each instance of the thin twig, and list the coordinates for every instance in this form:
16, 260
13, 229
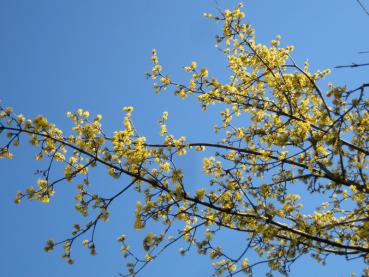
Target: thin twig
363, 7
352, 65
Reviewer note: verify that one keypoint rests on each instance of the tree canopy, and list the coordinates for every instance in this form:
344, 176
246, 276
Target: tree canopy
277, 130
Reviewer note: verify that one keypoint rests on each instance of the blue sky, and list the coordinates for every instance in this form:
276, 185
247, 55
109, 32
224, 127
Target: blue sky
57, 56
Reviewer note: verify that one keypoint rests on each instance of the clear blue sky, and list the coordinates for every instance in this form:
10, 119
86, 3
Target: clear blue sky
57, 56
